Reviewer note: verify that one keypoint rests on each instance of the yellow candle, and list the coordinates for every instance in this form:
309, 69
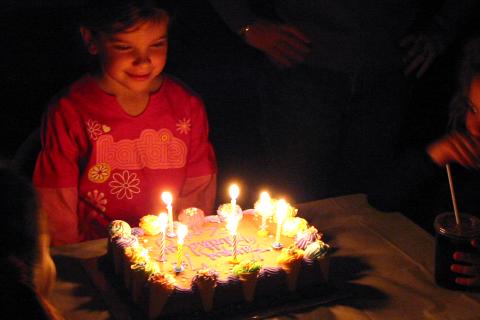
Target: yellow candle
167, 199
280, 215
179, 255
182, 231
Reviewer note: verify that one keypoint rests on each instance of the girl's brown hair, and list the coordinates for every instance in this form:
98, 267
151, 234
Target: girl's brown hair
468, 70
113, 16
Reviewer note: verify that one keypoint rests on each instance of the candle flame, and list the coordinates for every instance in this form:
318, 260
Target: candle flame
234, 191
265, 197
265, 206
182, 231
167, 198
163, 220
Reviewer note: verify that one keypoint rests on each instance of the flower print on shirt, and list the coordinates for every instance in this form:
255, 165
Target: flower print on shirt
97, 199
94, 129
184, 125
124, 185
99, 173
106, 128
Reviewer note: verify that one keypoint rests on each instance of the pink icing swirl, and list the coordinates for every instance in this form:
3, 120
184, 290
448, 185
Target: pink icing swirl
125, 242
304, 238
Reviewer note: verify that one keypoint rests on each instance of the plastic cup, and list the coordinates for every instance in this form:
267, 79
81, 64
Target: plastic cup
450, 238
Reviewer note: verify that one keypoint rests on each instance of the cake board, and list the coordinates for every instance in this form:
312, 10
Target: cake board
121, 307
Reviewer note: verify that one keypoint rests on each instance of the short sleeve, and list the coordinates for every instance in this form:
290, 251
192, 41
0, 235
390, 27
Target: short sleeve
201, 158
57, 162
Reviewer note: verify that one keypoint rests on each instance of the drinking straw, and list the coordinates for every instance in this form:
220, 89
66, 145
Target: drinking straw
452, 193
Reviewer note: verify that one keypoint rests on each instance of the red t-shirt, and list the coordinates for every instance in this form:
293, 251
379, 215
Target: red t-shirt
118, 164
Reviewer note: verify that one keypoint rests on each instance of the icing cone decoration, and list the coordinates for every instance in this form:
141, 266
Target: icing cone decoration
140, 275
206, 281
117, 253
247, 271
136, 255
290, 259
249, 283
117, 231
318, 251
161, 287
139, 279
127, 264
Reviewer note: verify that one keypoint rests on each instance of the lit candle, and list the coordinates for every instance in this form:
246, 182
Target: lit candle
232, 225
265, 210
182, 231
280, 215
162, 221
234, 191
167, 199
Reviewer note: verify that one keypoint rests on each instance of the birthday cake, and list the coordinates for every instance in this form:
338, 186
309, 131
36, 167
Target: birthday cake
213, 267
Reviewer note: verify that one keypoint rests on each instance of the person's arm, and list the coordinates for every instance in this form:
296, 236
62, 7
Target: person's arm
199, 188
425, 45
235, 13
56, 177
285, 45
456, 147
44, 269
403, 179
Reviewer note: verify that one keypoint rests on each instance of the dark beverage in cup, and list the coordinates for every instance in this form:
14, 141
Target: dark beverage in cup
449, 238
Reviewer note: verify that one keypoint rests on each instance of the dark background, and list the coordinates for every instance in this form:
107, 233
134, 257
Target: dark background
42, 53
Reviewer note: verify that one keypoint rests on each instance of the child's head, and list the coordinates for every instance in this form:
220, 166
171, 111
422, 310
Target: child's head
466, 102
472, 117
113, 16
129, 37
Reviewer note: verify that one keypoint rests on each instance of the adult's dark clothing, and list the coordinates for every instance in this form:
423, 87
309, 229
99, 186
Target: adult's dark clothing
332, 121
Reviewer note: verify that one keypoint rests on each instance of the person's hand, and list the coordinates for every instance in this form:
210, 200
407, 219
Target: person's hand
456, 147
284, 44
421, 51
470, 274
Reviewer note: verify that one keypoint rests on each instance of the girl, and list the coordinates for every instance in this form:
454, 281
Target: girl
124, 133
417, 184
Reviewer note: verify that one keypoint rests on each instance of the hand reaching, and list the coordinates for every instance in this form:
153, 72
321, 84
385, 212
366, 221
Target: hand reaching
284, 44
421, 52
456, 147
470, 274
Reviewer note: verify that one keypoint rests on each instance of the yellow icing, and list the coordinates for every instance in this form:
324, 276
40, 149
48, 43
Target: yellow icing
150, 224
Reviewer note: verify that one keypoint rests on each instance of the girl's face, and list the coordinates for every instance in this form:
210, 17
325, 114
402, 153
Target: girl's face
132, 60
472, 119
